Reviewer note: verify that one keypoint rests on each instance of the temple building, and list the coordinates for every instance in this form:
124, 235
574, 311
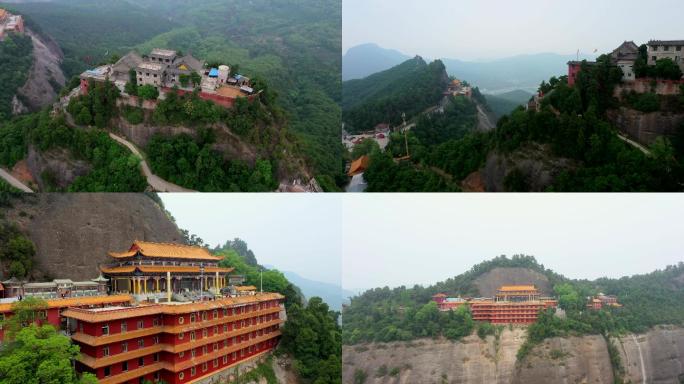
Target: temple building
160, 312
152, 269
602, 300
513, 304
176, 342
666, 49
53, 314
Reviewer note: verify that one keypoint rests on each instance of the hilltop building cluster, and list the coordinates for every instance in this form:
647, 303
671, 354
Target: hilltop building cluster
458, 88
626, 55
512, 304
168, 70
160, 312
10, 23
601, 300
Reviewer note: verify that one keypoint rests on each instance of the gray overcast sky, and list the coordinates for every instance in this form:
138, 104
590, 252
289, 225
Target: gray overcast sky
486, 29
293, 232
422, 239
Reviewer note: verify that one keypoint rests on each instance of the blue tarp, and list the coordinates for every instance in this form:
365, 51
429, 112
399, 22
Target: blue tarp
213, 72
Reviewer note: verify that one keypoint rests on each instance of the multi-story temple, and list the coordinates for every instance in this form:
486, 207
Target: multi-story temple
513, 304
176, 342
156, 268
172, 315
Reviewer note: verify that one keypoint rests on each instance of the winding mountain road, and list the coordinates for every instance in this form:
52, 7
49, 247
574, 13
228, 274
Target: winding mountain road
634, 144
13, 181
156, 182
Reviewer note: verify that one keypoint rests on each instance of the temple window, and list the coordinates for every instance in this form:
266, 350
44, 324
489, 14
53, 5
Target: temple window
105, 329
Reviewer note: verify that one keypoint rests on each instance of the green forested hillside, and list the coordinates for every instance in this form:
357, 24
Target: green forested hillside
573, 124
90, 31
16, 56
409, 88
113, 168
294, 45
426, 169
403, 313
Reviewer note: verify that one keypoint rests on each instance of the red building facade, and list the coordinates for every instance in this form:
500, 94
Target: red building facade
53, 314
517, 304
176, 342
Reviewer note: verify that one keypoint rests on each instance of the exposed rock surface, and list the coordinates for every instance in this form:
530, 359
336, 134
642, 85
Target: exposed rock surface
567, 360
662, 352
38, 91
429, 361
645, 127
57, 165
489, 282
230, 145
560, 360
74, 232
535, 161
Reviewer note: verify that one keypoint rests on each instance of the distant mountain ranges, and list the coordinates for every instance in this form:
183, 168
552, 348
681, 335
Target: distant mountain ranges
523, 72
332, 294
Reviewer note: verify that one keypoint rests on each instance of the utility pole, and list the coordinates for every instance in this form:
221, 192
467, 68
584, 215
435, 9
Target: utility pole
261, 277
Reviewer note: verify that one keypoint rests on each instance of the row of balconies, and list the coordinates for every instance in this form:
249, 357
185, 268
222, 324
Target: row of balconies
227, 358
231, 341
176, 329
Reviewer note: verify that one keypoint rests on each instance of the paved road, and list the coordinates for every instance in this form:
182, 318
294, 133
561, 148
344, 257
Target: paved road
634, 144
156, 182
13, 181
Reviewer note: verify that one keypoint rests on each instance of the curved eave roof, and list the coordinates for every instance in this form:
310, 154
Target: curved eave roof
166, 251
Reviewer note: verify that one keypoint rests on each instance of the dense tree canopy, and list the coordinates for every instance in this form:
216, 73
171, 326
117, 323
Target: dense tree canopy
16, 56
385, 314
193, 163
16, 250
407, 90
37, 354
113, 168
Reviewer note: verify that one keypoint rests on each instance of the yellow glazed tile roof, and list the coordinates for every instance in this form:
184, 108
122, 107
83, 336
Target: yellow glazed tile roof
168, 250
517, 288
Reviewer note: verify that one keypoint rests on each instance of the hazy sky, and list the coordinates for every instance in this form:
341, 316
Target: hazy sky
485, 29
293, 232
423, 239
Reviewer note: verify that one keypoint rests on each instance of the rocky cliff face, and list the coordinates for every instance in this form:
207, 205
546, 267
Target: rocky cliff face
645, 127
45, 75
55, 167
655, 357
74, 232
488, 283
535, 162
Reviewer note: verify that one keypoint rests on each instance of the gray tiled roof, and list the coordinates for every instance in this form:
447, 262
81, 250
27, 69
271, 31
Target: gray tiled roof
666, 42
